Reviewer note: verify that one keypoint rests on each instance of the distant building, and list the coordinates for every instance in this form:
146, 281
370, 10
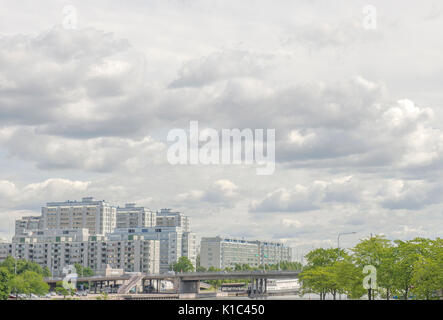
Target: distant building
99, 235
132, 217
99, 217
174, 243
224, 253
57, 249
169, 218
30, 223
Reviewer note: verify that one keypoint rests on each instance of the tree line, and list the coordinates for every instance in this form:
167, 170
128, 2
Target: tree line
19, 276
405, 269
22, 277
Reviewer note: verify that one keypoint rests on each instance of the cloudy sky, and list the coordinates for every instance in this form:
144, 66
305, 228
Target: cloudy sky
88, 96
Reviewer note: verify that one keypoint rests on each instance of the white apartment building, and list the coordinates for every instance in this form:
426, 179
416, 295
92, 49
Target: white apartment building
30, 223
5, 249
224, 253
57, 249
99, 217
132, 217
169, 218
132, 253
96, 234
174, 243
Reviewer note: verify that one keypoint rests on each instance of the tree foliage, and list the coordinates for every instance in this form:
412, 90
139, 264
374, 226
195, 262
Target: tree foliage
22, 277
403, 268
183, 265
5, 286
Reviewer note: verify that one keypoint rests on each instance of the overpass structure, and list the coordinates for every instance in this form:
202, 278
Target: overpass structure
190, 282
183, 282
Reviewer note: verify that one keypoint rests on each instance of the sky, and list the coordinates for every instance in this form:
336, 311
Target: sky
90, 90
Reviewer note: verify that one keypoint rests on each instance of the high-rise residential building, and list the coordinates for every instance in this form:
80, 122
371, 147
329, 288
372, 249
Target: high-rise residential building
132, 253
169, 218
224, 253
99, 217
57, 249
132, 217
30, 223
174, 243
96, 234
5, 249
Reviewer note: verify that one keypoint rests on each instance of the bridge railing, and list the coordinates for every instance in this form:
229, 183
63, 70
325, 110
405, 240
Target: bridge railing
253, 272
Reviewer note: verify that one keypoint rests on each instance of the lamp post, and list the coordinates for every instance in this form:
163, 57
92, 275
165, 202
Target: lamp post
338, 248
15, 270
338, 240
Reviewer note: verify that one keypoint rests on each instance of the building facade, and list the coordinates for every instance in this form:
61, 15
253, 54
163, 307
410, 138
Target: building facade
99, 217
169, 218
174, 243
58, 249
96, 234
30, 223
132, 217
221, 253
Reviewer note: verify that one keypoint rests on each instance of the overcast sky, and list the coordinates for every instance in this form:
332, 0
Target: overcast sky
357, 112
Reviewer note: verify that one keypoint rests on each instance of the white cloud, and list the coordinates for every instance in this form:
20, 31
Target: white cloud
93, 108
36, 194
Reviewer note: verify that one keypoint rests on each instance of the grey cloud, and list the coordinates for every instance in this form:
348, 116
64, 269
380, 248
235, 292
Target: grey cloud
222, 192
81, 106
223, 65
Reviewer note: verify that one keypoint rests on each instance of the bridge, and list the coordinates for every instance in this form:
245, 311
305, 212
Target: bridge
183, 282
190, 282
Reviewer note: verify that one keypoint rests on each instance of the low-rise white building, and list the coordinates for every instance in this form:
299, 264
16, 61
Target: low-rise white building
224, 253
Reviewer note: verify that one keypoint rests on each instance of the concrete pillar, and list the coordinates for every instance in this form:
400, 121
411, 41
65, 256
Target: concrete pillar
192, 286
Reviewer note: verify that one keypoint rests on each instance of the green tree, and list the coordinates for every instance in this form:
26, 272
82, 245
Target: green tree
83, 271
183, 265
427, 278
35, 283
288, 266
386, 271
349, 279
320, 267
408, 253
62, 291
18, 284
200, 269
371, 251
9, 264
318, 280
323, 257
5, 286
19, 266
